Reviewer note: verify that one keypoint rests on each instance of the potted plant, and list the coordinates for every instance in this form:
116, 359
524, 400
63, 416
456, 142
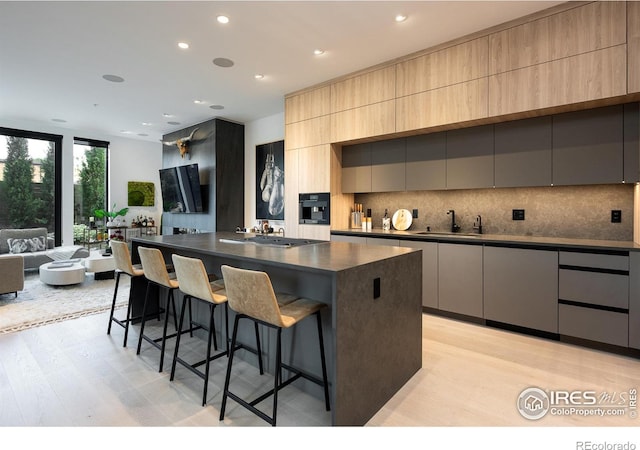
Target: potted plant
110, 215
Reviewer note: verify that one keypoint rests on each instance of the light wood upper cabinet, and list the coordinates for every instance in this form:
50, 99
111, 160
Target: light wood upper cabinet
451, 104
314, 169
633, 45
308, 133
291, 192
589, 76
367, 121
583, 29
307, 105
366, 89
463, 62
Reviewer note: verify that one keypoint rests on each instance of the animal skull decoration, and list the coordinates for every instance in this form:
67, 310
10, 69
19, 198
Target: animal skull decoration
182, 143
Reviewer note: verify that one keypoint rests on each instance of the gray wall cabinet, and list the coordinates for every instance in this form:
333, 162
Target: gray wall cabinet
388, 161
460, 279
426, 167
521, 287
356, 168
470, 158
523, 153
588, 146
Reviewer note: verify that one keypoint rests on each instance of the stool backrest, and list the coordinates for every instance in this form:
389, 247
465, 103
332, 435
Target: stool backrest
250, 292
193, 278
122, 258
155, 269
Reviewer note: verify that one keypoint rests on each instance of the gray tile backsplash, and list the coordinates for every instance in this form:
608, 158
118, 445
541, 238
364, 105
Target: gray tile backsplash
581, 212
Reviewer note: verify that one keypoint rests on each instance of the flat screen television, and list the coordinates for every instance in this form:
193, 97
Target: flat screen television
180, 187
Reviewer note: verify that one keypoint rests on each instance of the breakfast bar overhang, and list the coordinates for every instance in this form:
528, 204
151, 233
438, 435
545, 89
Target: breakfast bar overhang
373, 323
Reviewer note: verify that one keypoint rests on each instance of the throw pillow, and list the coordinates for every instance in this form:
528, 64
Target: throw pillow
29, 245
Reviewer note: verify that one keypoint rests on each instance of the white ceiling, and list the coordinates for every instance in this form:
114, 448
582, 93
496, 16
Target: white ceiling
53, 55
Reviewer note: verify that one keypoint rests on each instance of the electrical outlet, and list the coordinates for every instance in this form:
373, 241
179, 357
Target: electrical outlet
616, 216
415, 213
517, 214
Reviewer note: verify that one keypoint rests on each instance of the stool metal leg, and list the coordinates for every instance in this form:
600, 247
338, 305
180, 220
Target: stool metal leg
324, 362
113, 303
144, 318
175, 352
225, 392
212, 309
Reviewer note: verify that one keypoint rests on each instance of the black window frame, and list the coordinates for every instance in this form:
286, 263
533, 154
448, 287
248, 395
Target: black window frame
57, 150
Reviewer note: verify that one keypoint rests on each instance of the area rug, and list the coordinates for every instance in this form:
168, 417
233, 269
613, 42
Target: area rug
40, 304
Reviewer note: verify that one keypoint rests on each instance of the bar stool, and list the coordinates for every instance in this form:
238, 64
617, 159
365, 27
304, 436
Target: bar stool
122, 258
250, 294
156, 273
196, 284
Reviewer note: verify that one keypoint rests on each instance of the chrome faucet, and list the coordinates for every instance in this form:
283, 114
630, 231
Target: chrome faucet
477, 225
454, 228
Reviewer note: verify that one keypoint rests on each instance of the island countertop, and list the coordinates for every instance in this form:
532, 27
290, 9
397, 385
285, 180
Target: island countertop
321, 256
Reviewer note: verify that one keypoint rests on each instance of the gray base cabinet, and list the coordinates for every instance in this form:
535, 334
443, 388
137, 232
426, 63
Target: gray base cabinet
429, 271
521, 287
460, 279
634, 300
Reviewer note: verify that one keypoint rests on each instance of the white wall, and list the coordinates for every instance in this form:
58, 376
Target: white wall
130, 160
258, 132
137, 160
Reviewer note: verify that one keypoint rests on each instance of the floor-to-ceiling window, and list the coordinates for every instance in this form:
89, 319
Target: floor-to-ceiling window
90, 162
30, 181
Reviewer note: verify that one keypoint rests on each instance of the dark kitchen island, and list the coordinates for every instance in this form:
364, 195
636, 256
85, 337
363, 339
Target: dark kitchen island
372, 327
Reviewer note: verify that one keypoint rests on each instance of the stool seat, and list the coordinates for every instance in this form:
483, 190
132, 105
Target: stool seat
156, 272
197, 284
123, 266
250, 294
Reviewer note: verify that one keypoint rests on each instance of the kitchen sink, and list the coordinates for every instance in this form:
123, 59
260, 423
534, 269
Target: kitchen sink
448, 234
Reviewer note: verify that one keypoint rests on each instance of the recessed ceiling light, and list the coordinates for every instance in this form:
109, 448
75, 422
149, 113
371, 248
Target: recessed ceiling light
216, 107
198, 102
59, 120
146, 124
223, 62
183, 45
125, 131
258, 76
318, 51
173, 123
222, 19
143, 134
401, 18
113, 78
167, 115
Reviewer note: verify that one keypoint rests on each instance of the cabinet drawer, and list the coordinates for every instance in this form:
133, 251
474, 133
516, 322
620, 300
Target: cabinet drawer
593, 324
613, 262
605, 289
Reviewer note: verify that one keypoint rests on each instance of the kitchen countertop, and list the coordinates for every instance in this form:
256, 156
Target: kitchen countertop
496, 239
319, 256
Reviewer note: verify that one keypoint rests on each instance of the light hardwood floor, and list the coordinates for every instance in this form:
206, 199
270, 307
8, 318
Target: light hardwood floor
73, 374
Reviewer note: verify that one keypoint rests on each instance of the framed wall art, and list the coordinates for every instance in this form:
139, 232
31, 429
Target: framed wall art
141, 193
270, 181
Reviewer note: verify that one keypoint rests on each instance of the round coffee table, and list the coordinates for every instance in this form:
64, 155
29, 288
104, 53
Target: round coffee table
62, 274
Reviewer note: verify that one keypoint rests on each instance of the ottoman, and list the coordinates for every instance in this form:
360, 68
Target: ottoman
103, 267
62, 273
